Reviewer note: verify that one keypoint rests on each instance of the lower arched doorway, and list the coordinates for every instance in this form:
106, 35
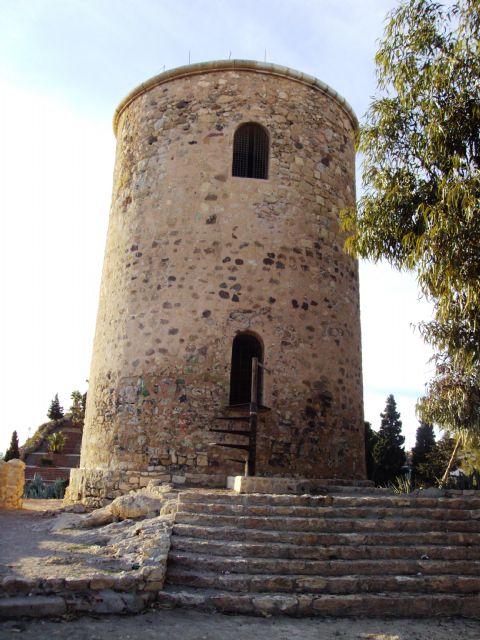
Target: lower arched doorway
245, 347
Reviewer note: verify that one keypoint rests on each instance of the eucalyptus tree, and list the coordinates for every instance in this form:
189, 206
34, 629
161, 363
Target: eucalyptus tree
420, 208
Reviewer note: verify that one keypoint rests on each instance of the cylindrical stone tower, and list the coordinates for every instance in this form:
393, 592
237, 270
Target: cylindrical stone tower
224, 243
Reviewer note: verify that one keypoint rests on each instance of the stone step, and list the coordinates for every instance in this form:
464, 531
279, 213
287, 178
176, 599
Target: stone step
346, 552
395, 605
402, 501
323, 568
311, 538
340, 525
325, 554
299, 583
83, 602
333, 511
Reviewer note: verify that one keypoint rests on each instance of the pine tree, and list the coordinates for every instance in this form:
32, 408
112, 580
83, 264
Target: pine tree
12, 451
55, 412
388, 452
424, 444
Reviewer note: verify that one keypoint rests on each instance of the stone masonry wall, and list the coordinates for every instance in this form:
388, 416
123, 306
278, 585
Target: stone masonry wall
194, 256
12, 482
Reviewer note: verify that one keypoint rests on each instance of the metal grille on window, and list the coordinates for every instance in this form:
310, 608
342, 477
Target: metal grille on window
250, 152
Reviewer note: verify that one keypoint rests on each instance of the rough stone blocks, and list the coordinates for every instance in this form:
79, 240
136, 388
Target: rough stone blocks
196, 256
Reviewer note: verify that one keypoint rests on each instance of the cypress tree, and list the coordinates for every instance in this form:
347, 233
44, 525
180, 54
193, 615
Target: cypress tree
55, 412
424, 444
388, 452
13, 450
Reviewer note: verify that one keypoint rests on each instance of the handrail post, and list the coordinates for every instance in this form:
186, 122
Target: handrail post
250, 467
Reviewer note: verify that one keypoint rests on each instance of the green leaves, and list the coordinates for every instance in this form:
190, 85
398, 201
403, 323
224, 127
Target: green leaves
421, 182
56, 441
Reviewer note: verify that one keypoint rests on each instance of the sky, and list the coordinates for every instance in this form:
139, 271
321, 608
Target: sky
64, 67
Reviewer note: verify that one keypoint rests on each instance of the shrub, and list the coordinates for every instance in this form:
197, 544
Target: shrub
56, 442
38, 489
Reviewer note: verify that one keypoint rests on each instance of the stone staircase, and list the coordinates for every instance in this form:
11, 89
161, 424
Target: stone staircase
337, 555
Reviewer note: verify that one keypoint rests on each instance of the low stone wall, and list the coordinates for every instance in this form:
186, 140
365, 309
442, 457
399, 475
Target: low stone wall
43, 598
98, 487
256, 484
12, 483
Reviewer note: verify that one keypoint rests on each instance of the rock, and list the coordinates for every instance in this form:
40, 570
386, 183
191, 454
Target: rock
12, 482
169, 508
101, 582
136, 505
158, 487
99, 517
152, 500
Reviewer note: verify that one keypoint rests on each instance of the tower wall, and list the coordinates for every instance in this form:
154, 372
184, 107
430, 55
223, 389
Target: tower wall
194, 256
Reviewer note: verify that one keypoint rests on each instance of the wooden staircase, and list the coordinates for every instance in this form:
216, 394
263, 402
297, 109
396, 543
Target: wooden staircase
337, 555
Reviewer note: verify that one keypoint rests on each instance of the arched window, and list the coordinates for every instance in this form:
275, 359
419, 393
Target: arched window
245, 347
250, 152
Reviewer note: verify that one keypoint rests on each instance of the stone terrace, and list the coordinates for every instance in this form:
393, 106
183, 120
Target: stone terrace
53, 466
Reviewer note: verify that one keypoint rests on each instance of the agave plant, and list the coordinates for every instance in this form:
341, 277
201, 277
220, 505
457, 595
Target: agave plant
401, 484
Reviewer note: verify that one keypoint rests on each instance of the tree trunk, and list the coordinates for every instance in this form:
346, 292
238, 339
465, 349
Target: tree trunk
445, 476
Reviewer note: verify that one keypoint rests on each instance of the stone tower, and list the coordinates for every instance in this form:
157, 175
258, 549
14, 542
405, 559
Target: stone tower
223, 244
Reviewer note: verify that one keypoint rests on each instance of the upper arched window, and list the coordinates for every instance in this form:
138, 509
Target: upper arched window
250, 151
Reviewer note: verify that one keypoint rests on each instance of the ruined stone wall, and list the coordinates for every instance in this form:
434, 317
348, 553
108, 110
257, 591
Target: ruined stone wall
12, 482
195, 256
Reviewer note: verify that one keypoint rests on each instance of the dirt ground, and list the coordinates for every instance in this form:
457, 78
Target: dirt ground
24, 534
30, 536
35, 543
193, 625
41, 541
